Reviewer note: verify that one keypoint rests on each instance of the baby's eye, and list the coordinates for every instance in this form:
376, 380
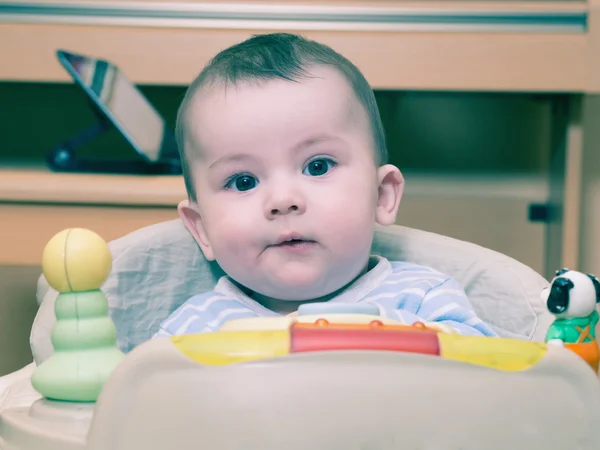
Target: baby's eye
241, 183
319, 167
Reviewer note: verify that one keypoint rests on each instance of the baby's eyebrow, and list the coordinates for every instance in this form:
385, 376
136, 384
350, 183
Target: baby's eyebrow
317, 140
238, 157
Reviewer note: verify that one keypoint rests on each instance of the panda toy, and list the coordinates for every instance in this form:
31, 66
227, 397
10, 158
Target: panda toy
572, 298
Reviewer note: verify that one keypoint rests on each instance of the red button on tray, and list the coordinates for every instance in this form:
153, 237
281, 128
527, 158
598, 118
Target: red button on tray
305, 339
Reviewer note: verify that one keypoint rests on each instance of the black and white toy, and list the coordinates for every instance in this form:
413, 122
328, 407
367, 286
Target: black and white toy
573, 298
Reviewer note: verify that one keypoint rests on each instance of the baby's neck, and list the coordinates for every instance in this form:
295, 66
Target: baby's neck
290, 306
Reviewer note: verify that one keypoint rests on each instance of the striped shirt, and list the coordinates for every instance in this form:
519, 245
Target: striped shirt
401, 291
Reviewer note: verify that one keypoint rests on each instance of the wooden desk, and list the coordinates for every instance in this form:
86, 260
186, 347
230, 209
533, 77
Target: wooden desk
36, 204
519, 46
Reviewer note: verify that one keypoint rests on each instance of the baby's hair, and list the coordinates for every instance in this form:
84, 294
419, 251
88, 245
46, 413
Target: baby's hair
271, 56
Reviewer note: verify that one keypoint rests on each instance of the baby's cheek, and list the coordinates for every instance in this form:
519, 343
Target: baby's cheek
351, 217
354, 201
231, 234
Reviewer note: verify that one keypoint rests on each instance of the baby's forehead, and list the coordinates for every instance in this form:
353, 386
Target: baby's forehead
225, 112
322, 85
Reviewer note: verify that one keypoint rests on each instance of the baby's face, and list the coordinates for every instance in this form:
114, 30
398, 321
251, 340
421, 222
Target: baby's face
288, 189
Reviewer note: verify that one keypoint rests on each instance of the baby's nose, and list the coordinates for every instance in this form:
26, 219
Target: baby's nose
290, 209
284, 205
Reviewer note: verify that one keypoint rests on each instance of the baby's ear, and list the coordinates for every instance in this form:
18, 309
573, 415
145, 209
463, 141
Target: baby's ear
391, 188
192, 220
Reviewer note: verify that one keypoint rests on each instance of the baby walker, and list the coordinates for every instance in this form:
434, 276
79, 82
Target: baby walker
334, 377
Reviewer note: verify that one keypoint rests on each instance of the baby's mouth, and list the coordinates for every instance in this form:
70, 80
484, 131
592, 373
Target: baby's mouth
293, 242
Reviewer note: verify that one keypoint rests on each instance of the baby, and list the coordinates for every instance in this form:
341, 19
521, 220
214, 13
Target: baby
284, 159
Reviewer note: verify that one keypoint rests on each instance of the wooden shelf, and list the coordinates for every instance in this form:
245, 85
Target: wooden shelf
431, 53
42, 186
